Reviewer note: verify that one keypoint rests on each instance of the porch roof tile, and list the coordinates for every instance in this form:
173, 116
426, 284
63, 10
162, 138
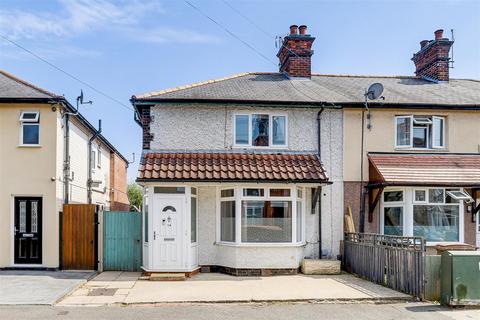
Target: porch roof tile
424, 169
231, 166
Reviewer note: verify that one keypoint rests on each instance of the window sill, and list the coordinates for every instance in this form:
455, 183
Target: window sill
420, 149
29, 145
246, 245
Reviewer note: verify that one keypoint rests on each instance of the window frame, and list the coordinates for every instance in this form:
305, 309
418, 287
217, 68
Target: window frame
250, 128
430, 129
238, 198
35, 122
408, 210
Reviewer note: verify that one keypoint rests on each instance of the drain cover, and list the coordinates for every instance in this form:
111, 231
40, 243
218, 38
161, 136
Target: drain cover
102, 292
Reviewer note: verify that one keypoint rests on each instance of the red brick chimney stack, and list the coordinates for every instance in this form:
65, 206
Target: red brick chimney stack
296, 52
432, 61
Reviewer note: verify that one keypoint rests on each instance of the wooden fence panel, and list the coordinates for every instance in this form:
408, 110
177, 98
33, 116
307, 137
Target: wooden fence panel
393, 261
78, 242
122, 244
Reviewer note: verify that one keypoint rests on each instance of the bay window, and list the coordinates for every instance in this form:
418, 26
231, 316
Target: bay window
260, 130
433, 213
265, 215
419, 132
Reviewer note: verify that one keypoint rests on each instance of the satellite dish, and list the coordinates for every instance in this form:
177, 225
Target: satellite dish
374, 91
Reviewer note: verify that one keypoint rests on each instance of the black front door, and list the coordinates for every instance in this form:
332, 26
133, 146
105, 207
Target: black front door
28, 230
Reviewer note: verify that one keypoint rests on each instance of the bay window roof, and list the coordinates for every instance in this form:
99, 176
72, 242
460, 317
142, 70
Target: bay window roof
231, 166
424, 169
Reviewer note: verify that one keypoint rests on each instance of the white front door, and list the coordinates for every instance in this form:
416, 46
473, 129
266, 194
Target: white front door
168, 220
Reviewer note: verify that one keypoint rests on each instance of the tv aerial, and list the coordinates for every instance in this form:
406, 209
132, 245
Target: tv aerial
373, 92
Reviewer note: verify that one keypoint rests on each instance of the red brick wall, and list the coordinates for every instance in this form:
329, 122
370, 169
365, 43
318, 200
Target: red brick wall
296, 61
118, 184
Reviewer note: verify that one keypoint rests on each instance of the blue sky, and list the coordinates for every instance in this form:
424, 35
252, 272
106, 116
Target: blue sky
129, 47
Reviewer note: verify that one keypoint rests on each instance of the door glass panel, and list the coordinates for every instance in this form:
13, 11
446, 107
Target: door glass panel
23, 217
34, 218
393, 221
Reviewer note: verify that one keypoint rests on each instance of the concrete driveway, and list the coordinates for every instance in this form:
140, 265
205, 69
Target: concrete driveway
38, 287
124, 288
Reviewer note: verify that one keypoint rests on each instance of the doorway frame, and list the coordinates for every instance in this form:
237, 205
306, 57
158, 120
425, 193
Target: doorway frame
189, 263
12, 231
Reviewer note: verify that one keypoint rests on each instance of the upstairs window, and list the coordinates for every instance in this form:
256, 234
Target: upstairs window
419, 132
30, 128
260, 130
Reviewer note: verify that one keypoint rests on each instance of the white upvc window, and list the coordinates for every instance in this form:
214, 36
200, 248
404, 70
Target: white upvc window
260, 130
434, 213
419, 132
29, 128
261, 215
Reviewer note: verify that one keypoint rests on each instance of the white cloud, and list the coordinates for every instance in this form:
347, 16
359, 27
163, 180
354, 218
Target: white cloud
78, 17
75, 16
170, 35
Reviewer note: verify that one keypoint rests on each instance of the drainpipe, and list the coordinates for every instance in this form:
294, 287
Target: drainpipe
319, 140
362, 192
89, 180
66, 164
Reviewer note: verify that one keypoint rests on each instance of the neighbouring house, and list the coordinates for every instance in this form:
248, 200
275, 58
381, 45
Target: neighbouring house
420, 157
50, 155
243, 174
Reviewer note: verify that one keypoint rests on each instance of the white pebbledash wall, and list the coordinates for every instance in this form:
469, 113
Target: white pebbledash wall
195, 128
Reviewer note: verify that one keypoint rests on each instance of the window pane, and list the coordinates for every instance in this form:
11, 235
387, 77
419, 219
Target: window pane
253, 192
420, 137
299, 222
180, 190
279, 192
266, 221
393, 221
299, 193
260, 130
31, 133
241, 129
420, 195
194, 191
435, 195
227, 193
279, 124
438, 129
403, 131
193, 220
393, 196
145, 219
449, 199
436, 222
227, 221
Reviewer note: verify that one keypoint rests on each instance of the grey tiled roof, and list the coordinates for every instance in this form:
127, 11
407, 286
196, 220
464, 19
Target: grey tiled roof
13, 87
324, 88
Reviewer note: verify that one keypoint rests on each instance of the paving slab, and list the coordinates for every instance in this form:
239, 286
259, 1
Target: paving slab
38, 287
217, 288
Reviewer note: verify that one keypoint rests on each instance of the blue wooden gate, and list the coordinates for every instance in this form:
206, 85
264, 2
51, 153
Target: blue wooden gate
122, 241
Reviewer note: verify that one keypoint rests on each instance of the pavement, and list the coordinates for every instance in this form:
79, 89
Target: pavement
234, 311
38, 287
124, 288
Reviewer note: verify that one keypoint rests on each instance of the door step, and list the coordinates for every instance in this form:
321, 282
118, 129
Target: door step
167, 276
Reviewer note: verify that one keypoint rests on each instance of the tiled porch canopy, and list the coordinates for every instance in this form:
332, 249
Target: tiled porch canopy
401, 169
231, 166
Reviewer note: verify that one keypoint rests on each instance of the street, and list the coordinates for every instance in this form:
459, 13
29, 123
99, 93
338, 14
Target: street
277, 311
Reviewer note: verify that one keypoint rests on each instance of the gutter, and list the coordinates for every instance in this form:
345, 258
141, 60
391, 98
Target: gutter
89, 179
